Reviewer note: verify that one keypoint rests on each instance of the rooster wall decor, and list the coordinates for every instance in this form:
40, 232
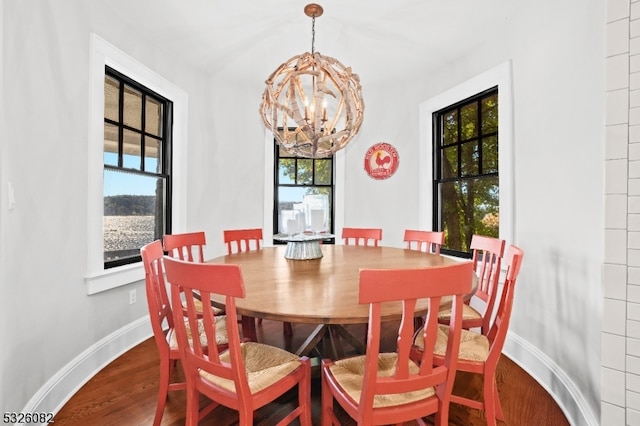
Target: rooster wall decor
381, 161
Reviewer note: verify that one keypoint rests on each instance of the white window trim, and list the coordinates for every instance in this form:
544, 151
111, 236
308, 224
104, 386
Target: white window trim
498, 76
338, 194
103, 53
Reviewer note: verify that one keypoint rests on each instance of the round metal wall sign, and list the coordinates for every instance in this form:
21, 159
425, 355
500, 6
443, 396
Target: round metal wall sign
381, 161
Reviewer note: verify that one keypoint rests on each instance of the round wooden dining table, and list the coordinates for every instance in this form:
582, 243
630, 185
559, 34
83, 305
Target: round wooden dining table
320, 291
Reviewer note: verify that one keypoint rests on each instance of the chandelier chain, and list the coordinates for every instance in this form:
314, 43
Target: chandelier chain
313, 34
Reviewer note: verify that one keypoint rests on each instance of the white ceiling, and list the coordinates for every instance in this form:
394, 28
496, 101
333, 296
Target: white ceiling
248, 39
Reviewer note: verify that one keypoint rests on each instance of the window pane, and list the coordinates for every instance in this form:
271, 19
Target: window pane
153, 117
469, 159
299, 178
323, 191
452, 217
450, 162
132, 107
111, 96
133, 157
133, 213
110, 144
292, 198
487, 206
467, 202
152, 161
305, 172
490, 114
490, 155
468, 207
469, 118
287, 170
131, 150
450, 128
289, 198
323, 172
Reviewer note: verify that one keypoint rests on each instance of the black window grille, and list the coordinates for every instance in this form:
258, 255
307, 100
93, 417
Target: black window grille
465, 182
137, 168
297, 177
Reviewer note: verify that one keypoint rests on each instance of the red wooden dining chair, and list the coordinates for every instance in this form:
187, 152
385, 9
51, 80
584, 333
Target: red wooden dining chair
162, 323
487, 257
187, 246
480, 353
248, 375
241, 240
390, 388
362, 236
427, 241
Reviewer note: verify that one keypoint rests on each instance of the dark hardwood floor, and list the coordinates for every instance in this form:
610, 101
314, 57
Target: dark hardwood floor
125, 392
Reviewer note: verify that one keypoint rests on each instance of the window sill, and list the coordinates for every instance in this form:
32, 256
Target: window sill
114, 277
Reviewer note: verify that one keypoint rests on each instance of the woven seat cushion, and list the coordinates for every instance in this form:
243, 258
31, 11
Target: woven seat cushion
264, 365
473, 346
468, 313
221, 333
349, 373
198, 305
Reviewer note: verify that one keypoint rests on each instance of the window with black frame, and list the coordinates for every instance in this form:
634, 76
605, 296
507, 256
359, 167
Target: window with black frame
137, 168
301, 183
465, 183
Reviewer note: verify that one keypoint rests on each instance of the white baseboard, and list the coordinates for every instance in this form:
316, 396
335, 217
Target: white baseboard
65, 383
552, 378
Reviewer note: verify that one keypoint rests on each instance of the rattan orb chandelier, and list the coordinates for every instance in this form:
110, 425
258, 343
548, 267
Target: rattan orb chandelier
312, 103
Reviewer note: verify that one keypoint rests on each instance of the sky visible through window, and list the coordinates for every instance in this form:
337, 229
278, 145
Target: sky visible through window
128, 184
292, 194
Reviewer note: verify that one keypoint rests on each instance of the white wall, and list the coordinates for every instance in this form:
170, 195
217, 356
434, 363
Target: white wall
4, 289
558, 81
47, 316
556, 51
238, 161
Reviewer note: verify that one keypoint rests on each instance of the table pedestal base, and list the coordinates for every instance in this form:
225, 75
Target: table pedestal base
331, 337
325, 339
303, 250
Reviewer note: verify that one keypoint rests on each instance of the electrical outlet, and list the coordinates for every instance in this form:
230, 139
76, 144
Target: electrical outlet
132, 296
